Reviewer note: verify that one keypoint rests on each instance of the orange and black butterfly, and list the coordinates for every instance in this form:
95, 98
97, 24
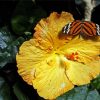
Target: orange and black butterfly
82, 27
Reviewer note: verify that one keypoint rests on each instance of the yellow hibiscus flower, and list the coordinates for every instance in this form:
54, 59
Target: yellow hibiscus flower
53, 62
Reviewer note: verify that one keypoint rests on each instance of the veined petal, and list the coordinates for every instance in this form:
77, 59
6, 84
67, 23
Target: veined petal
51, 26
81, 50
95, 67
28, 57
80, 74
48, 30
51, 80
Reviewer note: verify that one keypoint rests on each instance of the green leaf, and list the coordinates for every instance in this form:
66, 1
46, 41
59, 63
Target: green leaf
25, 17
96, 83
80, 93
93, 95
8, 47
18, 92
5, 37
5, 93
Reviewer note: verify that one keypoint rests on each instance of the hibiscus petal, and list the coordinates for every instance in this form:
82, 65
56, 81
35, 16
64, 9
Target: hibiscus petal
48, 30
85, 50
51, 81
51, 26
95, 67
27, 58
80, 74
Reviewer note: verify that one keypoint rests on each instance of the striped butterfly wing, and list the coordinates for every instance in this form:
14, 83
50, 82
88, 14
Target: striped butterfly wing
76, 28
82, 28
73, 28
89, 28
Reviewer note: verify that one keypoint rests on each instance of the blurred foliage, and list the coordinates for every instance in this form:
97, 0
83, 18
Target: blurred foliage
5, 93
18, 92
18, 26
80, 93
8, 46
96, 83
25, 17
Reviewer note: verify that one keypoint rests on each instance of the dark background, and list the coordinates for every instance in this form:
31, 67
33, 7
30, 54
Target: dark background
7, 8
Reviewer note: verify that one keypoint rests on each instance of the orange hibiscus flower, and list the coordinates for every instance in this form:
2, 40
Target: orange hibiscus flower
53, 63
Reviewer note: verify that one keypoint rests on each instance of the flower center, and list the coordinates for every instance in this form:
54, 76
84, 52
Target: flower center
72, 56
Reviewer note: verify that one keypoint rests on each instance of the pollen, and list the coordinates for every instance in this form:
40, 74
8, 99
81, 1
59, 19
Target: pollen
72, 56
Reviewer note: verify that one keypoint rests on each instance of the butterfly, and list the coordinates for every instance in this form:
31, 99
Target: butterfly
82, 27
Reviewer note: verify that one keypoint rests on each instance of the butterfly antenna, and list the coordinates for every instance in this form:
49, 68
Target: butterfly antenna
78, 11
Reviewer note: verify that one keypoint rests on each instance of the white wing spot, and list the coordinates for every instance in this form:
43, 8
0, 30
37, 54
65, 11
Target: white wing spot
98, 29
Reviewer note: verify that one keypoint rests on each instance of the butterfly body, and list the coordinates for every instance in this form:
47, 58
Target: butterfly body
82, 28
